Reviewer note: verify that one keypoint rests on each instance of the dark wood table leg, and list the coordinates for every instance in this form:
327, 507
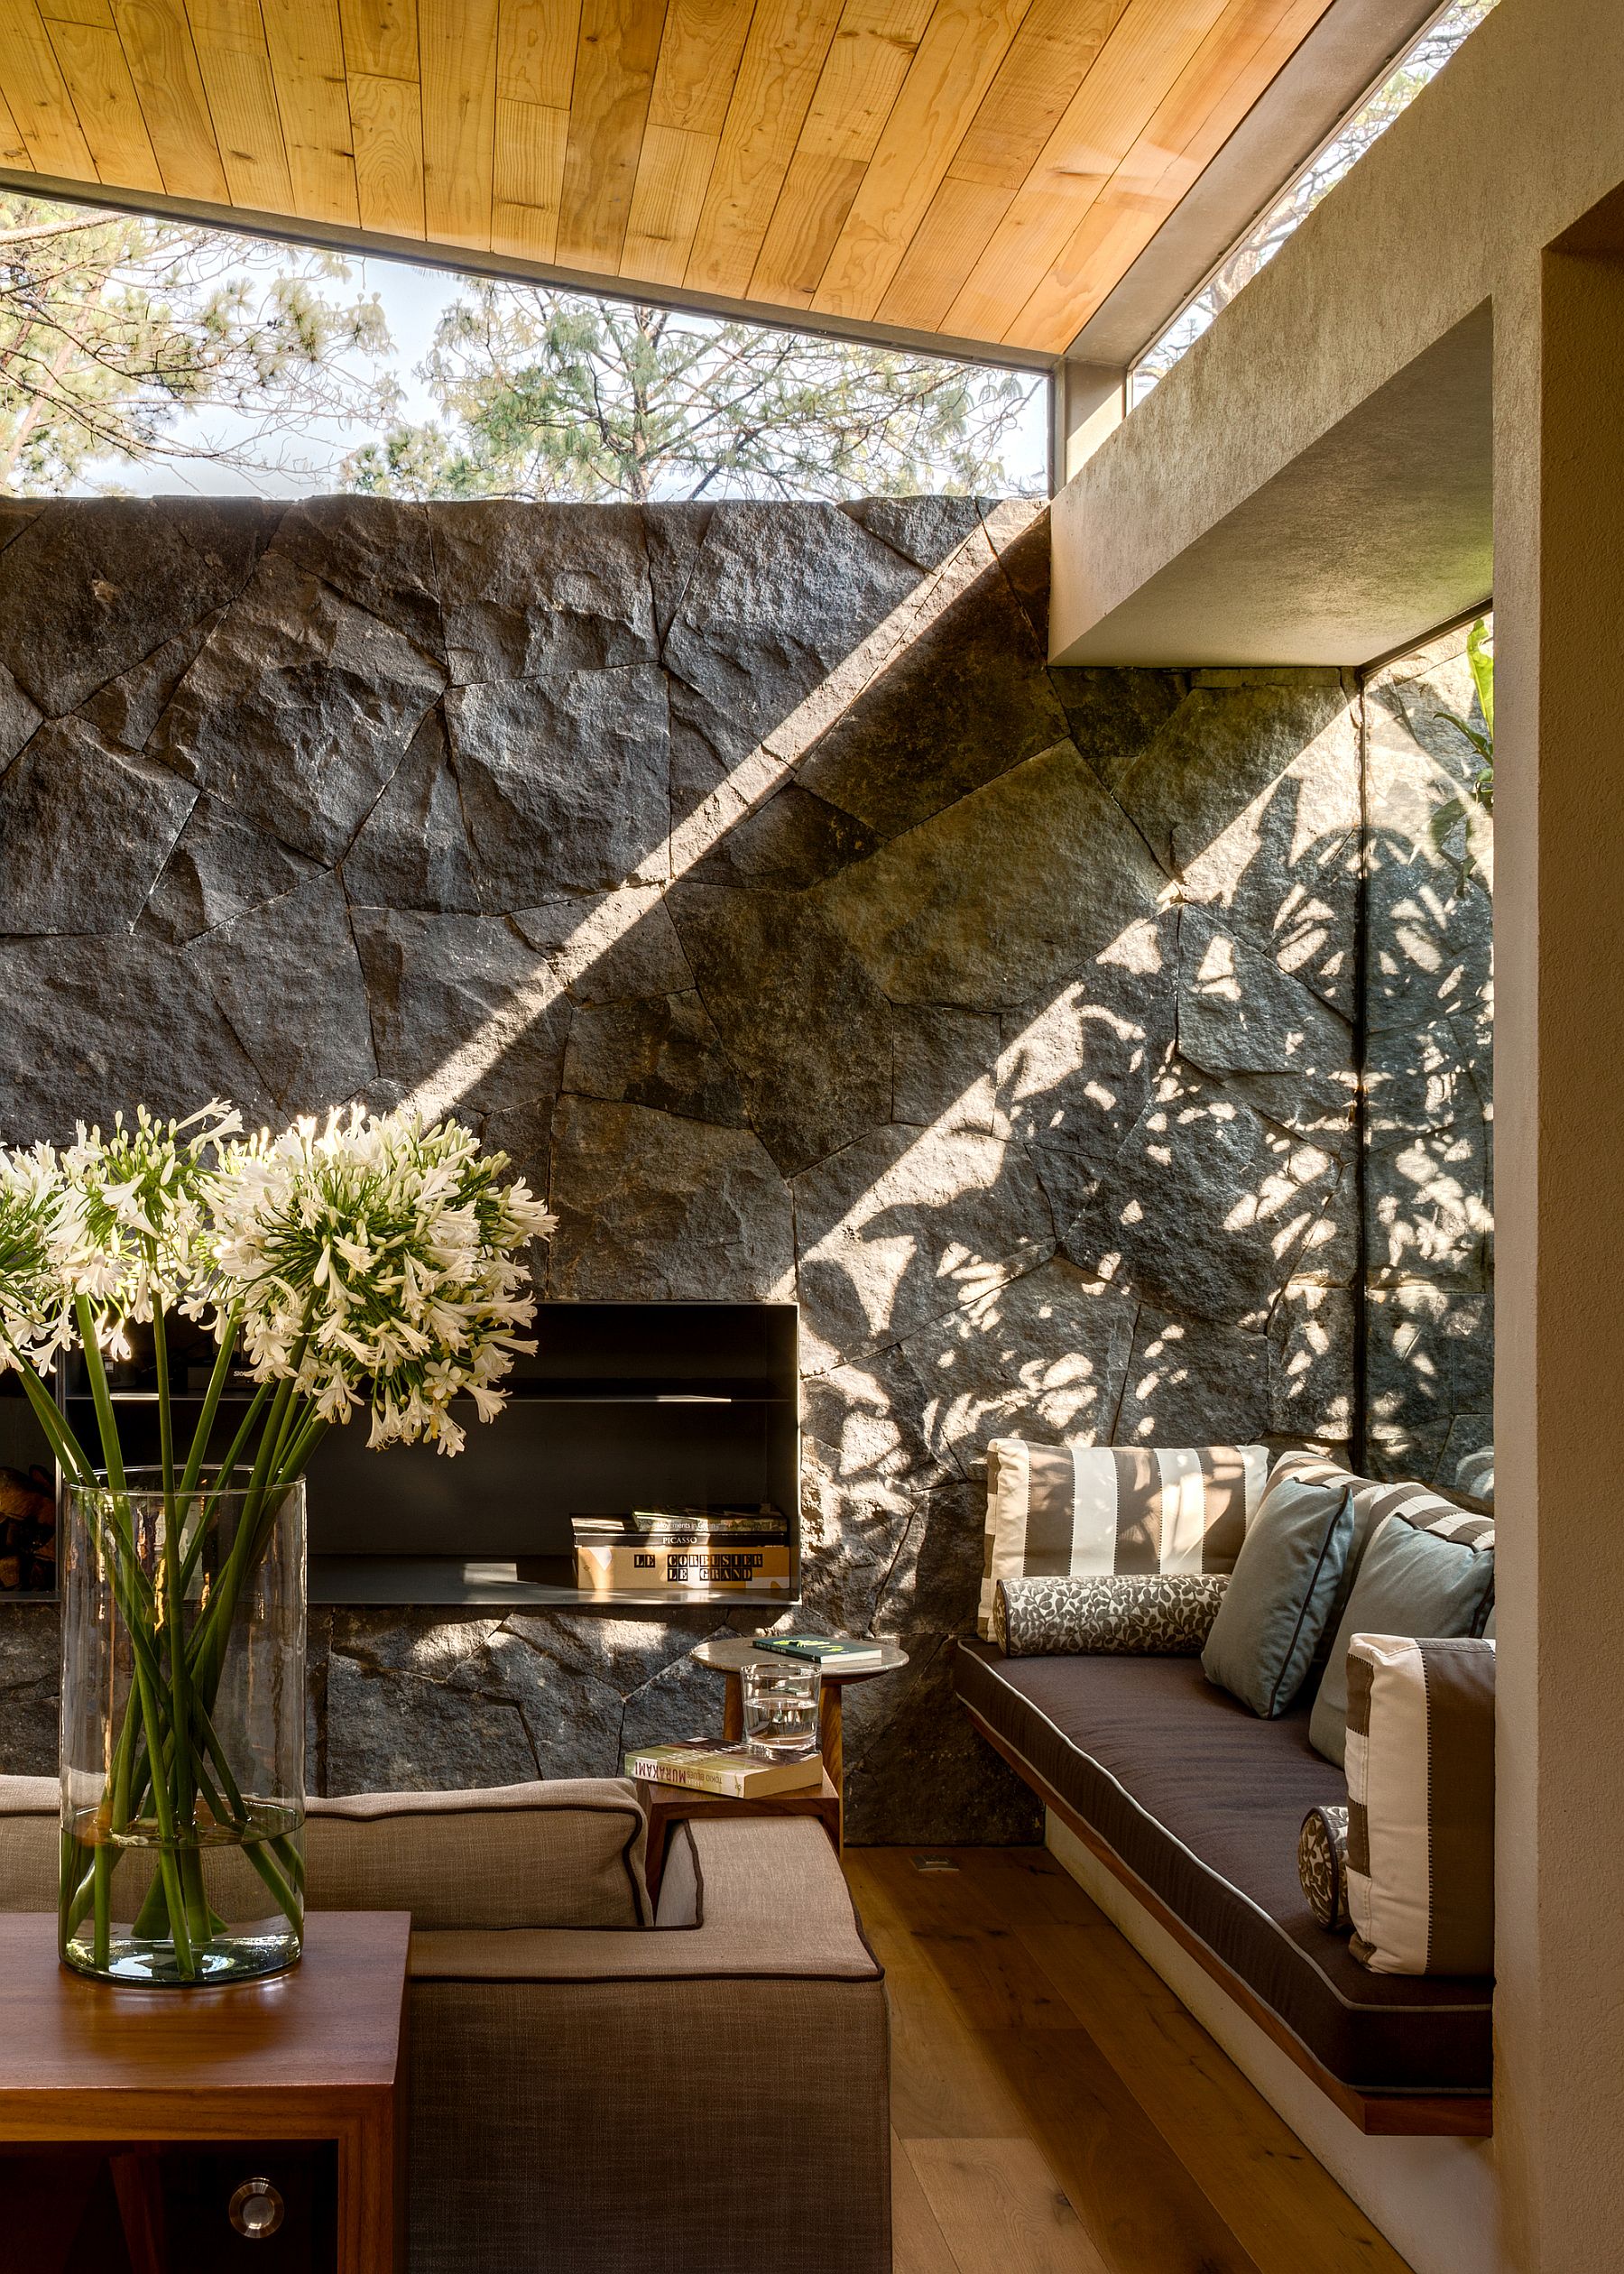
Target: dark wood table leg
733, 1710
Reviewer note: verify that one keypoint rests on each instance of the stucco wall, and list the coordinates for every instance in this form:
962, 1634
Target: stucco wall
747, 874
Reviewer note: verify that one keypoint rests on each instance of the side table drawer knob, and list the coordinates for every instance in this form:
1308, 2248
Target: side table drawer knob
256, 2209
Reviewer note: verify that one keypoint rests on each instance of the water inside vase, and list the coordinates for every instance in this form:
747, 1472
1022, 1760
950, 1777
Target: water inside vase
239, 1930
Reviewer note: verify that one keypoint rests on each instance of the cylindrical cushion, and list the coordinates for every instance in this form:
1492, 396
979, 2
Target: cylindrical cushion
1421, 1804
1323, 1866
1162, 1616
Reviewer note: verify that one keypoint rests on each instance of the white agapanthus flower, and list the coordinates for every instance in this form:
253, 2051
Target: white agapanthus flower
36, 1303
372, 1262
131, 1231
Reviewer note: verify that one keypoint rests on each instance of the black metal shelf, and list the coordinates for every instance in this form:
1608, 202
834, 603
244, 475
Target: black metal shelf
623, 1405
494, 1583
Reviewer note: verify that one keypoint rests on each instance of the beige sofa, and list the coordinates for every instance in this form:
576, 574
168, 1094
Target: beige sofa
590, 2091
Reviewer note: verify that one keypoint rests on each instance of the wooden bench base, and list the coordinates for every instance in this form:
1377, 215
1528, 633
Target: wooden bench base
1392, 2115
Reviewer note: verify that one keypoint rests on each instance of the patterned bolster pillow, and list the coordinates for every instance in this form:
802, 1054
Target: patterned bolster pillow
1095, 1511
1323, 1866
1155, 1616
1421, 1804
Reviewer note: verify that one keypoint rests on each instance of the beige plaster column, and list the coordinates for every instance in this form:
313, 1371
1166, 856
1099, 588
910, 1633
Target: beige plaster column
1559, 1084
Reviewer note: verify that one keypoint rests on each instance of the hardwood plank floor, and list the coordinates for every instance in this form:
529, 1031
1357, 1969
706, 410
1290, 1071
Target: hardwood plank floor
1056, 2109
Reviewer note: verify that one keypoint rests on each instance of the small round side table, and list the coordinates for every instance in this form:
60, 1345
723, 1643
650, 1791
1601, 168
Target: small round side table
730, 1656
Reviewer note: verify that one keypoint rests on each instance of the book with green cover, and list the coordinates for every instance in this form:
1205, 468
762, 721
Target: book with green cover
831, 1653
705, 1766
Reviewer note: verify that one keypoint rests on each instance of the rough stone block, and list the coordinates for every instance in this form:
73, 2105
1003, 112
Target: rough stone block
533, 590
1312, 1362
30, 1681
1043, 1355
396, 1733
90, 586
90, 1029
790, 841
1250, 797
1429, 1358
955, 706
651, 1209
609, 946
661, 1051
298, 709
1077, 1068
1012, 889
903, 1225
1205, 1206
377, 551
1114, 715
806, 1029
1193, 1382
463, 1014
923, 529
127, 709
288, 978
916, 1769
412, 849
220, 868
564, 781
84, 831
778, 597
18, 717
539, 589
939, 1062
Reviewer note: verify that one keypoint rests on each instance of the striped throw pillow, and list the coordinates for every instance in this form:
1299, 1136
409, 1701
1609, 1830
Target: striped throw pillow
1421, 1804
1058, 1512
1373, 1502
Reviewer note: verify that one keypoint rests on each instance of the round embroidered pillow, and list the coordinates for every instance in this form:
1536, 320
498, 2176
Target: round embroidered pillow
1322, 1867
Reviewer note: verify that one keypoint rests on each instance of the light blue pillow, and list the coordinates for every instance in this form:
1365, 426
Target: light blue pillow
1280, 1592
1423, 1576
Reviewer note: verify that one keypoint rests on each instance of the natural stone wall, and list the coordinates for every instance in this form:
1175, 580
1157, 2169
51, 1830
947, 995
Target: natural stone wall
1428, 1086
746, 874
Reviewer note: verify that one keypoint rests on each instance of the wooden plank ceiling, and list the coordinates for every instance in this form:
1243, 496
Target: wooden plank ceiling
979, 170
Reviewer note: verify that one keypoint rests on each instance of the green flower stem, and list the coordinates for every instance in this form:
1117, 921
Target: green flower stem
112, 1455
215, 1623
217, 1379
223, 1476
174, 1525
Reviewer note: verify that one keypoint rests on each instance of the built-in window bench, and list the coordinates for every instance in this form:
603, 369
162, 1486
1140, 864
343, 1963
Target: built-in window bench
1194, 1804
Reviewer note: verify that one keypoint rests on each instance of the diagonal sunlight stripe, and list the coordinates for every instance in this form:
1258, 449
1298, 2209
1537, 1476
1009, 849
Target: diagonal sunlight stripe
752, 782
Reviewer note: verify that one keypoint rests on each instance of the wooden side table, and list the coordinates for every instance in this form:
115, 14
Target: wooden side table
668, 1805
314, 2054
731, 1656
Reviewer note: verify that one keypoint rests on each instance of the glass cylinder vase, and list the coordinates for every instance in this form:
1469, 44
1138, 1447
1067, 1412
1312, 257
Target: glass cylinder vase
183, 1730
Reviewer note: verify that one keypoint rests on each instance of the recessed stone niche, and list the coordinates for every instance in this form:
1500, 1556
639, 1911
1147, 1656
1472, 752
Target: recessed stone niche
747, 874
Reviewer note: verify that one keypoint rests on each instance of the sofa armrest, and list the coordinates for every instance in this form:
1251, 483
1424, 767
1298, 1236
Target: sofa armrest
705, 2098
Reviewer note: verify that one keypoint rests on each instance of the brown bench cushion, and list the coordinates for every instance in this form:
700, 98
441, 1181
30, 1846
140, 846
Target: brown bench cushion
1203, 1803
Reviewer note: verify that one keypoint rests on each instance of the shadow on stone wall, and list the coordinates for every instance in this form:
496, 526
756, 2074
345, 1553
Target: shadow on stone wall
747, 874
1429, 1225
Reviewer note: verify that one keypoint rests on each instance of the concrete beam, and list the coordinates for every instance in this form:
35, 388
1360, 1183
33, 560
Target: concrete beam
1521, 135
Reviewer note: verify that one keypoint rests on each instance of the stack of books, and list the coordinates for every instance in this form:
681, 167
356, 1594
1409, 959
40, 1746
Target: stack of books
684, 1551
704, 1766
